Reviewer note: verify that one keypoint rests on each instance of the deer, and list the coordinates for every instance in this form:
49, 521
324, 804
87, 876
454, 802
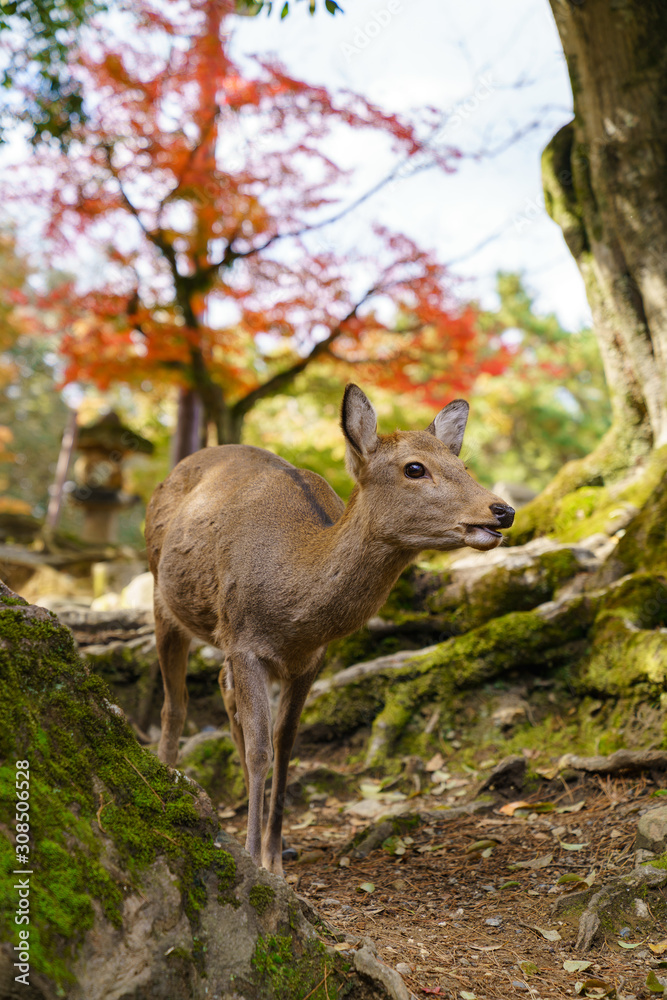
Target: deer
264, 561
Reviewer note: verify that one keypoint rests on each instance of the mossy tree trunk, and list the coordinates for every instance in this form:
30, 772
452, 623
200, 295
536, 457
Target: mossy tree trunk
605, 182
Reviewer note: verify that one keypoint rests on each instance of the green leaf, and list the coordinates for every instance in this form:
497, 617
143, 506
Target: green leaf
332, 6
285, 11
511, 885
529, 968
572, 847
628, 944
654, 983
366, 887
573, 965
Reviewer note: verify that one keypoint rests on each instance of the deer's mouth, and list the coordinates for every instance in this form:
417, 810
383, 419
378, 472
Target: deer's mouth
481, 536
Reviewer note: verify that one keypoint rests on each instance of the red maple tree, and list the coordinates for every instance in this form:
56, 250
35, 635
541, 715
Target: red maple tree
201, 195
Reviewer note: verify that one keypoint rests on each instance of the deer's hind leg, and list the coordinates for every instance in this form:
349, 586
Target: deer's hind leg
173, 645
251, 715
226, 682
292, 699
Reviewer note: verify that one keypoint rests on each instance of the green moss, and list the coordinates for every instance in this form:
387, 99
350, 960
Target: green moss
659, 862
86, 772
261, 897
282, 973
514, 641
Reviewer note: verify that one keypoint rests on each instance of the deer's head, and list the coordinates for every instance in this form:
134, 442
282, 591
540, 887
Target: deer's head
414, 485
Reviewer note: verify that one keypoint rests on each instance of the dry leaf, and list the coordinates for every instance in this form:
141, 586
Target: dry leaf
306, 820
484, 947
660, 948
435, 763
542, 862
575, 808
547, 934
574, 965
366, 887
481, 845
595, 988
537, 807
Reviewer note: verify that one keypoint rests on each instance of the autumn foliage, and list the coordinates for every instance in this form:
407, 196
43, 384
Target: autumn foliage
193, 205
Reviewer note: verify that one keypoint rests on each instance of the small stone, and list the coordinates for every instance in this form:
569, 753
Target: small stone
652, 831
404, 969
641, 909
494, 921
625, 932
518, 985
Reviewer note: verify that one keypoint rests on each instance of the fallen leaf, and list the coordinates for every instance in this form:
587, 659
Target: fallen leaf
435, 763
575, 808
595, 988
542, 862
306, 820
481, 845
342, 946
659, 948
537, 807
654, 983
433, 989
366, 887
569, 877
485, 947
309, 857
511, 885
465, 995
573, 847
529, 968
344, 862
574, 965
628, 944
547, 934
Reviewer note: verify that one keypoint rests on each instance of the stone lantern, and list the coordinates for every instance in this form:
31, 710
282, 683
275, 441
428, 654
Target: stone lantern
98, 475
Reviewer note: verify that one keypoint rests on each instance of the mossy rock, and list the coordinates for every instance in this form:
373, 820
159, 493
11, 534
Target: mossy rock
133, 889
602, 494
212, 760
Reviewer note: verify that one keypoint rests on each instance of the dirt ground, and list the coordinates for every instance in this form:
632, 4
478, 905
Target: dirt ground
468, 923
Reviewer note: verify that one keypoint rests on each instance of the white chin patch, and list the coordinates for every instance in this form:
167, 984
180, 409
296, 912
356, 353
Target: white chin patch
482, 538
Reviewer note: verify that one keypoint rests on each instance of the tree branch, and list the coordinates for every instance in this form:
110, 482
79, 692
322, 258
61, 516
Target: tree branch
282, 379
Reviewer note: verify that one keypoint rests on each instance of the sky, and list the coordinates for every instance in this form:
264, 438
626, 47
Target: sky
498, 74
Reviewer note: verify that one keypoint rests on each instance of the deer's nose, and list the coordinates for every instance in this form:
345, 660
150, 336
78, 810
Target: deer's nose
503, 514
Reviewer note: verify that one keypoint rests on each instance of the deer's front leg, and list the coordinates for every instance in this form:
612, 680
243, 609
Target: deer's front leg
254, 720
292, 700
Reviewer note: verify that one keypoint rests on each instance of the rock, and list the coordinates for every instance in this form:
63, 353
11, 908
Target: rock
139, 593
107, 602
211, 759
508, 774
115, 574
652, 831
48, 582
140, 893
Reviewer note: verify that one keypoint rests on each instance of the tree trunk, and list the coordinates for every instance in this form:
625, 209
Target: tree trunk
189, 424
605, 181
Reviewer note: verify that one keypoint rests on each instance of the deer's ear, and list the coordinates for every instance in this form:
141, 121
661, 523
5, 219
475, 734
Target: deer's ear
359, 423
449, 425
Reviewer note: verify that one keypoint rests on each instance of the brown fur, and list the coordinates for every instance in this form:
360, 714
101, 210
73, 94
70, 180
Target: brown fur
265, 562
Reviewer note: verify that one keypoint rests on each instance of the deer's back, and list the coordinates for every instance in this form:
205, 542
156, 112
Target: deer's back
222, 532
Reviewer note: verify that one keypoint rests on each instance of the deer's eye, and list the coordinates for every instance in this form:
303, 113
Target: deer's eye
414, 470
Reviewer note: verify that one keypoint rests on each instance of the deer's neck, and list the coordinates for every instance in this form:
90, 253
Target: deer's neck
353, 569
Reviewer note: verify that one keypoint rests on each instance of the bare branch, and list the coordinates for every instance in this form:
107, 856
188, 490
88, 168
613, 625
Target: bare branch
282, 379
